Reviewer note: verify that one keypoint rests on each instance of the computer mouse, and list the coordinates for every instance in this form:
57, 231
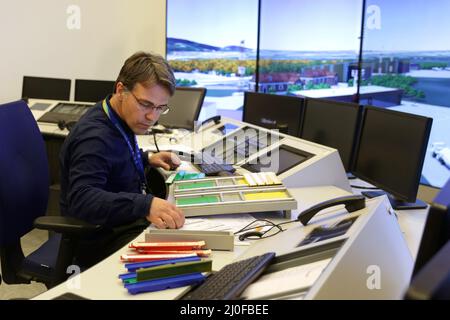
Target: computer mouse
246, 235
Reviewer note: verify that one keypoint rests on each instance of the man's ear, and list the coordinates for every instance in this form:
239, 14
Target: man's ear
120, 89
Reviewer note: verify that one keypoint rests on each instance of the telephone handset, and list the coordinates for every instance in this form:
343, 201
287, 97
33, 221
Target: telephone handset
216, 120
352, 203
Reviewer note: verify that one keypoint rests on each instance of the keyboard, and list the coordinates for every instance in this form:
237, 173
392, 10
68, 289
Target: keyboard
213, 169
231, 280
65, 111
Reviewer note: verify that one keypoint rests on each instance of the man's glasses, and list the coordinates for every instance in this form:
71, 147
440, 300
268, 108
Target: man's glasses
150, 106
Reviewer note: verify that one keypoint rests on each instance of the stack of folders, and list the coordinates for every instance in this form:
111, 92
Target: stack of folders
165, 265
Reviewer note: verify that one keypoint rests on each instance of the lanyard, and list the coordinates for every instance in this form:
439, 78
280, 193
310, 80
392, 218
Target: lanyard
135, 152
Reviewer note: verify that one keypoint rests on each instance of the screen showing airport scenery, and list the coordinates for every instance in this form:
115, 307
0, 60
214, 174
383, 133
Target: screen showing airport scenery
309, 48
406, 58
212, 44
312, 49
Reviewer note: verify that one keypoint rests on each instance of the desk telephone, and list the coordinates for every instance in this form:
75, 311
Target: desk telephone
215, 119
352, 203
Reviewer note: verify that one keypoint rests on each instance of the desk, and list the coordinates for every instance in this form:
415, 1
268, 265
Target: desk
101, 281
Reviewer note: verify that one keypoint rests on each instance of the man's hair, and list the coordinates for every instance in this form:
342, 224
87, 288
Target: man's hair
148, 69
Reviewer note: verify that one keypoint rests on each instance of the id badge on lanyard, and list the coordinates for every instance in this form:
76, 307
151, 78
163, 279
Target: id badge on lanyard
134, 152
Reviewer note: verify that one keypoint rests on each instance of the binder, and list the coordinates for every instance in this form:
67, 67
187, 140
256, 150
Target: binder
173, 269
173, 245
150, 257
165, 283
131, 276
200, 253
215, 240
132, 267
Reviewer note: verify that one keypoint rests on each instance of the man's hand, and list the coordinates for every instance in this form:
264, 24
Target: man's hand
165, 160
165, 215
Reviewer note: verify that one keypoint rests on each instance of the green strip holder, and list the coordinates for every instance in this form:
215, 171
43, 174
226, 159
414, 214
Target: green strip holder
182, 201
196, 185
173, 269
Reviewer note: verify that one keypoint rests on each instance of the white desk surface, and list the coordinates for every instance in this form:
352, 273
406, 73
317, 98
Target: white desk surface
101, 281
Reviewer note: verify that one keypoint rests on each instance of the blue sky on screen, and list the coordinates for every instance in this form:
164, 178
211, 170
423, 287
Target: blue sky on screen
214, 22
313, 25
228, 22
406, 25
310, 25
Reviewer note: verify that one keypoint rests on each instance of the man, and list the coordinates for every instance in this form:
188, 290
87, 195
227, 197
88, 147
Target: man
102, 168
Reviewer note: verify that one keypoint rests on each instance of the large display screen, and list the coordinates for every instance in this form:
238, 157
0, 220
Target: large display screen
312, 48
212, 44
405, 48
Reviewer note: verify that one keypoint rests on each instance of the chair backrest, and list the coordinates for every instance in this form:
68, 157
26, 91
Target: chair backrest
23, 170
45, 88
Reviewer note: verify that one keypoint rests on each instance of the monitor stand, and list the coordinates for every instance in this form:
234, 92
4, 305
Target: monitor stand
397, 204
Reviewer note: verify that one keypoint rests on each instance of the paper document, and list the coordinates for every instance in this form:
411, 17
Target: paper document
285, 282
233, 223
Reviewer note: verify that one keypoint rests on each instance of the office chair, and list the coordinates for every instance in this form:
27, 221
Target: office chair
24, 190
156, 183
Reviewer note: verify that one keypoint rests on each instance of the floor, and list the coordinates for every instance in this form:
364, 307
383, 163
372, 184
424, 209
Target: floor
25, 291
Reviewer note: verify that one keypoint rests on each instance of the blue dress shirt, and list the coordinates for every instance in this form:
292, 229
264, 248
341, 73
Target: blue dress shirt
99, 180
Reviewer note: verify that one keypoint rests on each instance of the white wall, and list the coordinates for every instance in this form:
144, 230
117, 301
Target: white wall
35, 39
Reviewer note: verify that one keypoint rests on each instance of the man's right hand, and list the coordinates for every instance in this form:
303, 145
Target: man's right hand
164, 214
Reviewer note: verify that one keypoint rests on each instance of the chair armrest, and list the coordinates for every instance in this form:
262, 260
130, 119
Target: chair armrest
65, 225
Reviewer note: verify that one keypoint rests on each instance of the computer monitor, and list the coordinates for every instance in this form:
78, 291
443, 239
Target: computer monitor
45, 88
185, 107
332, 123
273, 111
431, 275
279, 161
92, 90
390, 153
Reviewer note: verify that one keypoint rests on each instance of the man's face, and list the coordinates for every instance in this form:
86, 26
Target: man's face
140, 106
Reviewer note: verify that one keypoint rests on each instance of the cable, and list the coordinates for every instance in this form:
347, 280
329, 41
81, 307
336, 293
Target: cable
287, 222
246, 228
261, 235
154, 139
